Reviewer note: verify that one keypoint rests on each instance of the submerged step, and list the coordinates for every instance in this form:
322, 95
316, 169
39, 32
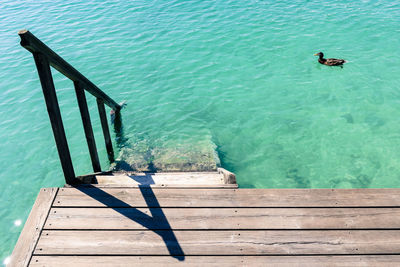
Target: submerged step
189, 156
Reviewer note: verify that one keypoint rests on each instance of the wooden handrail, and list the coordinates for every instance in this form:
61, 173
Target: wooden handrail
44, 58
34, 45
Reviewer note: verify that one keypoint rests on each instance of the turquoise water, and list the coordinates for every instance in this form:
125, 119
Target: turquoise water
238, 74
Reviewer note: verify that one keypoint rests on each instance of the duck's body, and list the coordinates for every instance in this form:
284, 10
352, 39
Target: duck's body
329, 61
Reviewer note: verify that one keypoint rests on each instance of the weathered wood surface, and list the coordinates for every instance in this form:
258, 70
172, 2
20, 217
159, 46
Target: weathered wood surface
33, 226
218, 261
220, 227
260, 242
181, 173
229, 177
125, 197
163, 178
224, 218
160, 186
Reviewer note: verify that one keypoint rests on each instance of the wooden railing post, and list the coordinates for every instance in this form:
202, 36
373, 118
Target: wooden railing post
49, 92
106, 131
87, 126
118, 129
44, 58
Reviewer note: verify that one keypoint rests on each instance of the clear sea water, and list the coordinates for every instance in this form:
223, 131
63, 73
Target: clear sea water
238, 74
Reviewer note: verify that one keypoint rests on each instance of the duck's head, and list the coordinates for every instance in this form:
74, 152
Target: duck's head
320, 54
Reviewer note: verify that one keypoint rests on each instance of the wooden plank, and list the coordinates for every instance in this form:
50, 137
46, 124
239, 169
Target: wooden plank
224, 218
229, 177
165, 186
34, 45
33, 226
87, 126
106, 130
117, 173
217, 261
256, 242
125, 197
53, 110
165, 178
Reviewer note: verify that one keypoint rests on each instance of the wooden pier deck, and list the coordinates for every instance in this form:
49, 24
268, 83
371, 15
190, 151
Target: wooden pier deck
150, 226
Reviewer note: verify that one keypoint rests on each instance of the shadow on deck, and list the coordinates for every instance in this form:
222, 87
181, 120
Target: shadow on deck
160, 225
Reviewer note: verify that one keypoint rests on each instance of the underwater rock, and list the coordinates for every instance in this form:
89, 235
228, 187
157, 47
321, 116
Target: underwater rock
374, 121
348, 117
301, 182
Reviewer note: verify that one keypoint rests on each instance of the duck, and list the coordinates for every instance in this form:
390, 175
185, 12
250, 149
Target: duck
329, 61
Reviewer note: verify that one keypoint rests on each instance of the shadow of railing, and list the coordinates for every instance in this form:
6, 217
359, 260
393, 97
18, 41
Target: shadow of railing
144, 179
157, 222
